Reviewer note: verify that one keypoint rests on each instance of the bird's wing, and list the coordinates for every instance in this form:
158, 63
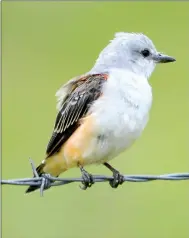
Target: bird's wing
74, 101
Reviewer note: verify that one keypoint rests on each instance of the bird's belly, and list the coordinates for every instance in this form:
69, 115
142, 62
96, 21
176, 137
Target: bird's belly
114, 139
118, 124
88, 145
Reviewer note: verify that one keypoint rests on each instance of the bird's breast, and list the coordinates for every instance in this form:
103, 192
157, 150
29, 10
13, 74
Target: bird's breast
121, 113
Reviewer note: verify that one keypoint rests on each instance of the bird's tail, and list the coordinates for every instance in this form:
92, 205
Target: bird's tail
40, 171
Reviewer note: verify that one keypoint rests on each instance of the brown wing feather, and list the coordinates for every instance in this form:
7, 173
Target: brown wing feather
75, 106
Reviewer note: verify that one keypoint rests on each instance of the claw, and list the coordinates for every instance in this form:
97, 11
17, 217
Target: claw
87, 179
118, 179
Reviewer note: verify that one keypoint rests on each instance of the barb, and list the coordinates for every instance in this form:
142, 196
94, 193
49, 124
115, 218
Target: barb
47, 180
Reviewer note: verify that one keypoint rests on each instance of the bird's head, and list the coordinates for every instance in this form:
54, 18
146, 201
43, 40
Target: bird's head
133, 51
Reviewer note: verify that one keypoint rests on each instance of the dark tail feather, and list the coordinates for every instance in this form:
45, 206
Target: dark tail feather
40, 172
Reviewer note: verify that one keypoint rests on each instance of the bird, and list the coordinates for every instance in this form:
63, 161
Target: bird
104, 111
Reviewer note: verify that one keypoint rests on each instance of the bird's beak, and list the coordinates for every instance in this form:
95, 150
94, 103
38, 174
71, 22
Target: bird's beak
161, 58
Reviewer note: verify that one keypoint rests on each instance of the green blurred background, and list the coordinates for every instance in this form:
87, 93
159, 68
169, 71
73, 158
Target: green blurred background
43, 45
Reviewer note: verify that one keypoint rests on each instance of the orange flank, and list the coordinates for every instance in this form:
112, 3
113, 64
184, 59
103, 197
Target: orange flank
71, 152
78, 143
55, 165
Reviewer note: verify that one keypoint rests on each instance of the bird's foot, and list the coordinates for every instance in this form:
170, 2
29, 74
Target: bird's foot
87, 179
118, 179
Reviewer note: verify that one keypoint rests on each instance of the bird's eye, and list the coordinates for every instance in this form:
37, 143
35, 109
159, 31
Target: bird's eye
145, 52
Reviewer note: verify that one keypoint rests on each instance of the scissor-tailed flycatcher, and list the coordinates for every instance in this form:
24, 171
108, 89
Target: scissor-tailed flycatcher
102, 112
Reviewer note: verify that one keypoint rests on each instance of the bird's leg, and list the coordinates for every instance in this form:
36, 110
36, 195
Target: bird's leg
118, 178
87, 178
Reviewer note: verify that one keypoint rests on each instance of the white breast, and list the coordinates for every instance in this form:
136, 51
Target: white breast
120, 114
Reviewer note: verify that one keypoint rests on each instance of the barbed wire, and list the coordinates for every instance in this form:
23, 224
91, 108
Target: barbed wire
47, 181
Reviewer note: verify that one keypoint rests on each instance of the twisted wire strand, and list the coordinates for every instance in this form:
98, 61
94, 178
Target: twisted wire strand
47, 181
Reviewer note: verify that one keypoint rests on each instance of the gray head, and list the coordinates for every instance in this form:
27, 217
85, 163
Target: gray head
133, 51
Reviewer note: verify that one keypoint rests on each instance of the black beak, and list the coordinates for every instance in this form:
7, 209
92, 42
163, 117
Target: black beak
160, 58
